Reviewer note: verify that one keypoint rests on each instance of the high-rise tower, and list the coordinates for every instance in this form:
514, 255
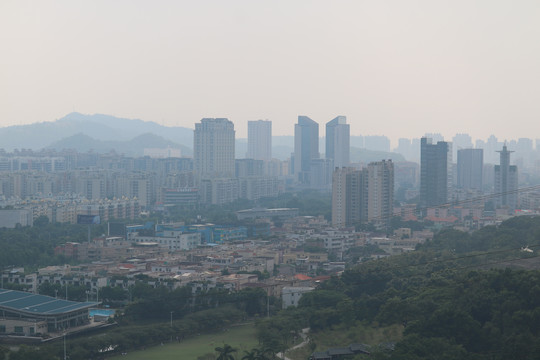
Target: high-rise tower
338, 141
349, 199
213, 148
506, 181
435, 172
470, 164
306, 147
380, 192
259, 140
365, 195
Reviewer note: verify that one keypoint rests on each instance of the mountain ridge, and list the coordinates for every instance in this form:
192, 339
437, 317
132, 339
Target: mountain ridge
106, 132
133, 147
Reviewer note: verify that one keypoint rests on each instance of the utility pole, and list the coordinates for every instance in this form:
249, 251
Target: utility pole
268, 302
65, 354
171, 325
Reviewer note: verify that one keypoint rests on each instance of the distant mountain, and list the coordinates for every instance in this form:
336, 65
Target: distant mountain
98, 127
102, 133
133, 147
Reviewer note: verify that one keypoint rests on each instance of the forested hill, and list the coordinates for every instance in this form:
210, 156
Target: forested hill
453, 297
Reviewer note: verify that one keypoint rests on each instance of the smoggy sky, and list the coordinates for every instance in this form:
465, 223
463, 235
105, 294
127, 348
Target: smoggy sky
399, 68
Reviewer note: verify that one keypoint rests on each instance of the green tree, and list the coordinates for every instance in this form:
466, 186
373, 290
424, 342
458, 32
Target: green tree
258, 354
419, 348
251, 355
41, 221
225, 352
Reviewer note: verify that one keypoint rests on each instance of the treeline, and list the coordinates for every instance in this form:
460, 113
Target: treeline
452, 297
150, 304
33, 246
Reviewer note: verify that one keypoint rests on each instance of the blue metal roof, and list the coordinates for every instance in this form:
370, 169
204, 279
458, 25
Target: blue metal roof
38, 304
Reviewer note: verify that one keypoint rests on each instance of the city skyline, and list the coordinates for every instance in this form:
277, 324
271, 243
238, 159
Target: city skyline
395, 68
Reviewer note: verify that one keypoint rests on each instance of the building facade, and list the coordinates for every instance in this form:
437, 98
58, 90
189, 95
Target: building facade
213, 148
348, 196
306, 147
470, 164
338, 141
506, 181
380, 194
259, 140
435, 172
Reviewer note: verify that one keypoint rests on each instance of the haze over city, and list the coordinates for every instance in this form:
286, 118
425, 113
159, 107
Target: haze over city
263, 180
394, 68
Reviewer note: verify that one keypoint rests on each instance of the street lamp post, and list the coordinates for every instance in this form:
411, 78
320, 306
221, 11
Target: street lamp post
171, 325
65, 354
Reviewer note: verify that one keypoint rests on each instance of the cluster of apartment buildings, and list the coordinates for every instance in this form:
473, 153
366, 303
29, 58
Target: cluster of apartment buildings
197, 256
119, 186
449, 193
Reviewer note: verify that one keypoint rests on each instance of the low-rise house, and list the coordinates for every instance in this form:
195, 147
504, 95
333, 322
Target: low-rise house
291, 295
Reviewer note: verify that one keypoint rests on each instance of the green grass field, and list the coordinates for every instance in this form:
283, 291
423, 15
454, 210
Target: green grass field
240, 337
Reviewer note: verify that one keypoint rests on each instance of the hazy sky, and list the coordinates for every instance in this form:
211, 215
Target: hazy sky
399, 68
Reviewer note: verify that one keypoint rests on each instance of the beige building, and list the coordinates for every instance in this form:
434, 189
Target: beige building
348, 186
380, 194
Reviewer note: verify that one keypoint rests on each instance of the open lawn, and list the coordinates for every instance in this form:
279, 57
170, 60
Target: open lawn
240, 337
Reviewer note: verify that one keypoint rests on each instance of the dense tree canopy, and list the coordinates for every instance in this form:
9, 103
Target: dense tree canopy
455, 297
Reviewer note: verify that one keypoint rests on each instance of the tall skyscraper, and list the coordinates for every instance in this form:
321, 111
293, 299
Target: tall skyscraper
338, 141
470, 164
380, 192
435, 172
213, 148
259, 140
506, 181
306, 147
349, 188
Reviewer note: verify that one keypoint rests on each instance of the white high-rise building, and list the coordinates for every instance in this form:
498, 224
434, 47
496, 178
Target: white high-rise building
338, 141
213, 148
259, 140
